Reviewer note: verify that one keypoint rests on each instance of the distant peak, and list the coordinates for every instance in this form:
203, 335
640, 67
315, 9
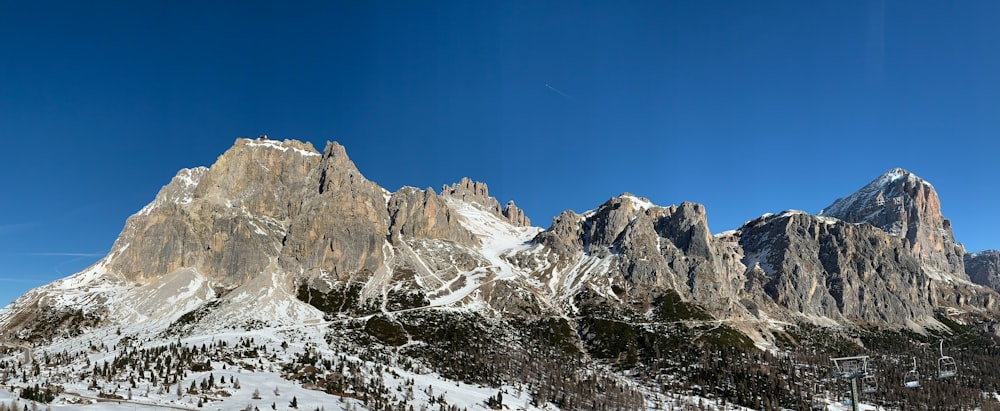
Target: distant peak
472, 191
896, 175
469, 190
642, 203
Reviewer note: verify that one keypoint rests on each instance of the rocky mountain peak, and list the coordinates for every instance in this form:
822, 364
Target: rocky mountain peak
828, 268
477, 192
905, 206
515, 215
338, 169
984, 268
423, 214
473, 192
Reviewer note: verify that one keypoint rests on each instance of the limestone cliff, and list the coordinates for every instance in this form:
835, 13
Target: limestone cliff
904, 205
477, 192
984, 268
825, 268
652, 249
422, 214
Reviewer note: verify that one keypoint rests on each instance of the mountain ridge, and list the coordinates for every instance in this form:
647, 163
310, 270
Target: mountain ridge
263, 205
277, 237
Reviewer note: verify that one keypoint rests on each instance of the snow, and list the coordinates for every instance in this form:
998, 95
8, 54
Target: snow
870, 191
641, 202
264, 382
274, 144
265, 379
789, 213
180, 190
727, 233
497, 238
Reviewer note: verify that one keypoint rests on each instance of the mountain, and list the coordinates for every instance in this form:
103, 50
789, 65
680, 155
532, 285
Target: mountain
905, 206
984, 268
289, 265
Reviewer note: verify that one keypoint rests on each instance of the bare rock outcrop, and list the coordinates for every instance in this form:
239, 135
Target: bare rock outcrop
653, 249
477, 192
422, 214
822, 267
904, 205
227, 221
565, 235
515, 215
260, 202
471, 191
344, 221
984, 268
309, 224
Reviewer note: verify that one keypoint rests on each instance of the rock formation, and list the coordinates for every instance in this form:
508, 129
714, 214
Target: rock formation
984, 268
477, 192
902, 204
422, 214
823, 267
277, 232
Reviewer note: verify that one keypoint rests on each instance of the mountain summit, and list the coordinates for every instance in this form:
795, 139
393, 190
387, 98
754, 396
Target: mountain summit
278, 241
906, 206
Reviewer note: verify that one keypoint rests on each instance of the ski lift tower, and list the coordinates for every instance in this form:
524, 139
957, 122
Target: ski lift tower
851, 368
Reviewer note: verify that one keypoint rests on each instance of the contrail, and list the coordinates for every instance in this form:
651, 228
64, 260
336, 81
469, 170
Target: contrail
558, 92
65, 254
17, 280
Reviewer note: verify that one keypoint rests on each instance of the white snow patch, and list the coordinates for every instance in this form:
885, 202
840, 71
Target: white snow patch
498, 237
274, 144
641, 202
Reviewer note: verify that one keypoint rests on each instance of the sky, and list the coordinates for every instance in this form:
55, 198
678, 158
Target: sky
745, 107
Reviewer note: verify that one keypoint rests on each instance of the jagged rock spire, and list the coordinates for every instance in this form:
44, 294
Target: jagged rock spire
477, 192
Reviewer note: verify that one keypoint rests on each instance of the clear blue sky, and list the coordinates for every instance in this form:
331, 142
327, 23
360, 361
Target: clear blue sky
745, 106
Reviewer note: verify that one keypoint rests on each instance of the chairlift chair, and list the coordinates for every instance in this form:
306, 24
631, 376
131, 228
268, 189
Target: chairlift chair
868, 384
912, 378
850, 367
946, 365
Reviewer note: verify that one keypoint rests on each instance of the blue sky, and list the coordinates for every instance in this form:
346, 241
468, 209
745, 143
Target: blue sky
746, 107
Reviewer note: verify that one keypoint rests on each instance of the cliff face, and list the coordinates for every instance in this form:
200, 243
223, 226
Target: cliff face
984, 268
262, 201
224, 220
823, 267
905, 206
637, 251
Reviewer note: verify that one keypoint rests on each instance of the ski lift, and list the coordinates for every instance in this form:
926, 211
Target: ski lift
868, 384
912, 378
946, 365
850, 367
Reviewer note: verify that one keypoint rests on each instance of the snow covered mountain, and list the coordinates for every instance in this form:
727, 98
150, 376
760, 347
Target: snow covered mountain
288, 266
